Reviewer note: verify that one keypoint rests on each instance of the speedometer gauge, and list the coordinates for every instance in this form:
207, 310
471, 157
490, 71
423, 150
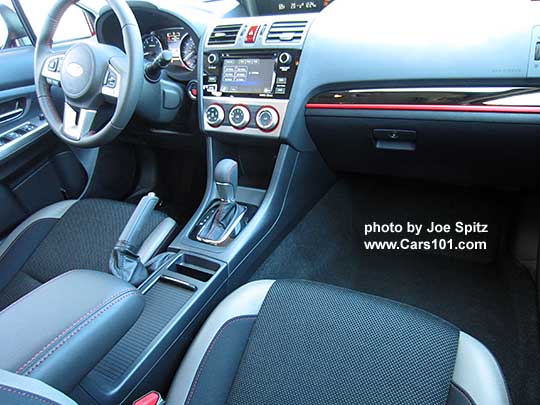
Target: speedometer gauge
188, 52
152, 47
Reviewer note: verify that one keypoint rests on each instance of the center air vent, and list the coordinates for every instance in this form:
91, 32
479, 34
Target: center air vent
224, 35
286, 31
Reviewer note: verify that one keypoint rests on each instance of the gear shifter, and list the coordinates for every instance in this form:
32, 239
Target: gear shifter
226, 177
124, 262
224, 216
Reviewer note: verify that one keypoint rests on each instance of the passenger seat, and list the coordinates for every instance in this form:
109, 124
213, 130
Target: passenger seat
298, 342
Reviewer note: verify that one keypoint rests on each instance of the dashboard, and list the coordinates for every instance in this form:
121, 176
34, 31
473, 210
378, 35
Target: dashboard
367, 87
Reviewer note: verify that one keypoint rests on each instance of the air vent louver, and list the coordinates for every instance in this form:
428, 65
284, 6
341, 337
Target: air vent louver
286, 31
224, 35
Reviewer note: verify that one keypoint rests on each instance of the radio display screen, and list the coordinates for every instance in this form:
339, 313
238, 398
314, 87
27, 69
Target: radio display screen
248, 76
272, 7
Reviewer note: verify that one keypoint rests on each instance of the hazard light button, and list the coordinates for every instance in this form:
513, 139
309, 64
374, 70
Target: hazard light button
252, 33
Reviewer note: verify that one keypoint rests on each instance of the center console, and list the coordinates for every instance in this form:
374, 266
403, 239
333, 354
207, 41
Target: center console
248, 74
256, 189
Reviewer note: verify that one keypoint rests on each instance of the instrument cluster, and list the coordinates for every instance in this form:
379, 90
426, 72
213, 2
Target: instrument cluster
179, 41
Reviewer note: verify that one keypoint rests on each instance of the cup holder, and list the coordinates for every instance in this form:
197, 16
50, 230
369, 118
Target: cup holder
195, 267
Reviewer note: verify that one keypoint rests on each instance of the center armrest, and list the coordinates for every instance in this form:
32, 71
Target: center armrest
60, 331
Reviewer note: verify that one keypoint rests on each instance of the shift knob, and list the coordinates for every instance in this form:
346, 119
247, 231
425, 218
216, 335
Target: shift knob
226, 178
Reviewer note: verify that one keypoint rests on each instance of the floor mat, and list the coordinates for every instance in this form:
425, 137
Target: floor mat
481, 292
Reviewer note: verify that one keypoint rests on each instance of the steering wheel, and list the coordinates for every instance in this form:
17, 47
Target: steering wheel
90, 75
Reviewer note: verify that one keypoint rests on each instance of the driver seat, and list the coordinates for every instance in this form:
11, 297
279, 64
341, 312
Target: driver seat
69, 235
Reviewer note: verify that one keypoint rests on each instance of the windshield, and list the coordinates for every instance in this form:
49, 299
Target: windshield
96, 5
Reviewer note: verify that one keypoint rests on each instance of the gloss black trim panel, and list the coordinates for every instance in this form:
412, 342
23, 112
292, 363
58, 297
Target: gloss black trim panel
454, 99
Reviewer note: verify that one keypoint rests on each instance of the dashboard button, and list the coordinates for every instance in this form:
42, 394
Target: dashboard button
192, 89
281, 80
285, 58
214, 115
281, 90
267, 118
239, 117
213, 58
251, 36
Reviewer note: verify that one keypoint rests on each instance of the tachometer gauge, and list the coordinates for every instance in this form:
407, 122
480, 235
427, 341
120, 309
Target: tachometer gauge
152, 47
188, 53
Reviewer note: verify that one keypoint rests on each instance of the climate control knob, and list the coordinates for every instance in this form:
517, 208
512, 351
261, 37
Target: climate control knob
267, 119
239, 116
214, 115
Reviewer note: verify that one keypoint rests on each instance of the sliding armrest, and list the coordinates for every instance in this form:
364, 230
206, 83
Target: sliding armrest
60, 331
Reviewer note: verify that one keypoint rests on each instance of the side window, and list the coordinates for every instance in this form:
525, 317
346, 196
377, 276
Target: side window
12, 32
74, 24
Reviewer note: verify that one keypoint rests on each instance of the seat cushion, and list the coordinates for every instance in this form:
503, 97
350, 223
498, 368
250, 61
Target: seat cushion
82, 236
305, 343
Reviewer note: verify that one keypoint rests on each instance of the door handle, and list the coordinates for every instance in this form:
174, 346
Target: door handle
11, 110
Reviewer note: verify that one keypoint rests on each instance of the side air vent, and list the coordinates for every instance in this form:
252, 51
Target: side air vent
286, 31
224, 35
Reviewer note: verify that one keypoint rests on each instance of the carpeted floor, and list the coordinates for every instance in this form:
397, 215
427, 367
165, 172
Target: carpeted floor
484, 293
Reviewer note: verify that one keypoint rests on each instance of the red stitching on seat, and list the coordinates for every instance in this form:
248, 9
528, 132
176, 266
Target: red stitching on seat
90, 312
209, 350
27, 394
81, 327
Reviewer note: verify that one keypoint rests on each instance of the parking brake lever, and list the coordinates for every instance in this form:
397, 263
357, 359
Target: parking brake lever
124, 262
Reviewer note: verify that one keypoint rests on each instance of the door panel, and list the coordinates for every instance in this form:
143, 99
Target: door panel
36, 169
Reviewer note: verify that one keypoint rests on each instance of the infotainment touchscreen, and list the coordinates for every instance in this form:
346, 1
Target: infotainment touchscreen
248, 76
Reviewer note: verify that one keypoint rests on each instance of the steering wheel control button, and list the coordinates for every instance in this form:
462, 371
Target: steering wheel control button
239, 117
215, 115
110, 80
53, 65
267, 119
213, 58
285, 58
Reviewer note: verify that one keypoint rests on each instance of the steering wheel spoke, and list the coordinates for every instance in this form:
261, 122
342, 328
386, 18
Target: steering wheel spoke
77, 124
52, 68
114, 78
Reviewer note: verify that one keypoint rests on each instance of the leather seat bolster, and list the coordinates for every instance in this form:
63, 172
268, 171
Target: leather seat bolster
221, 341
61, 330
477, 378
19, 390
